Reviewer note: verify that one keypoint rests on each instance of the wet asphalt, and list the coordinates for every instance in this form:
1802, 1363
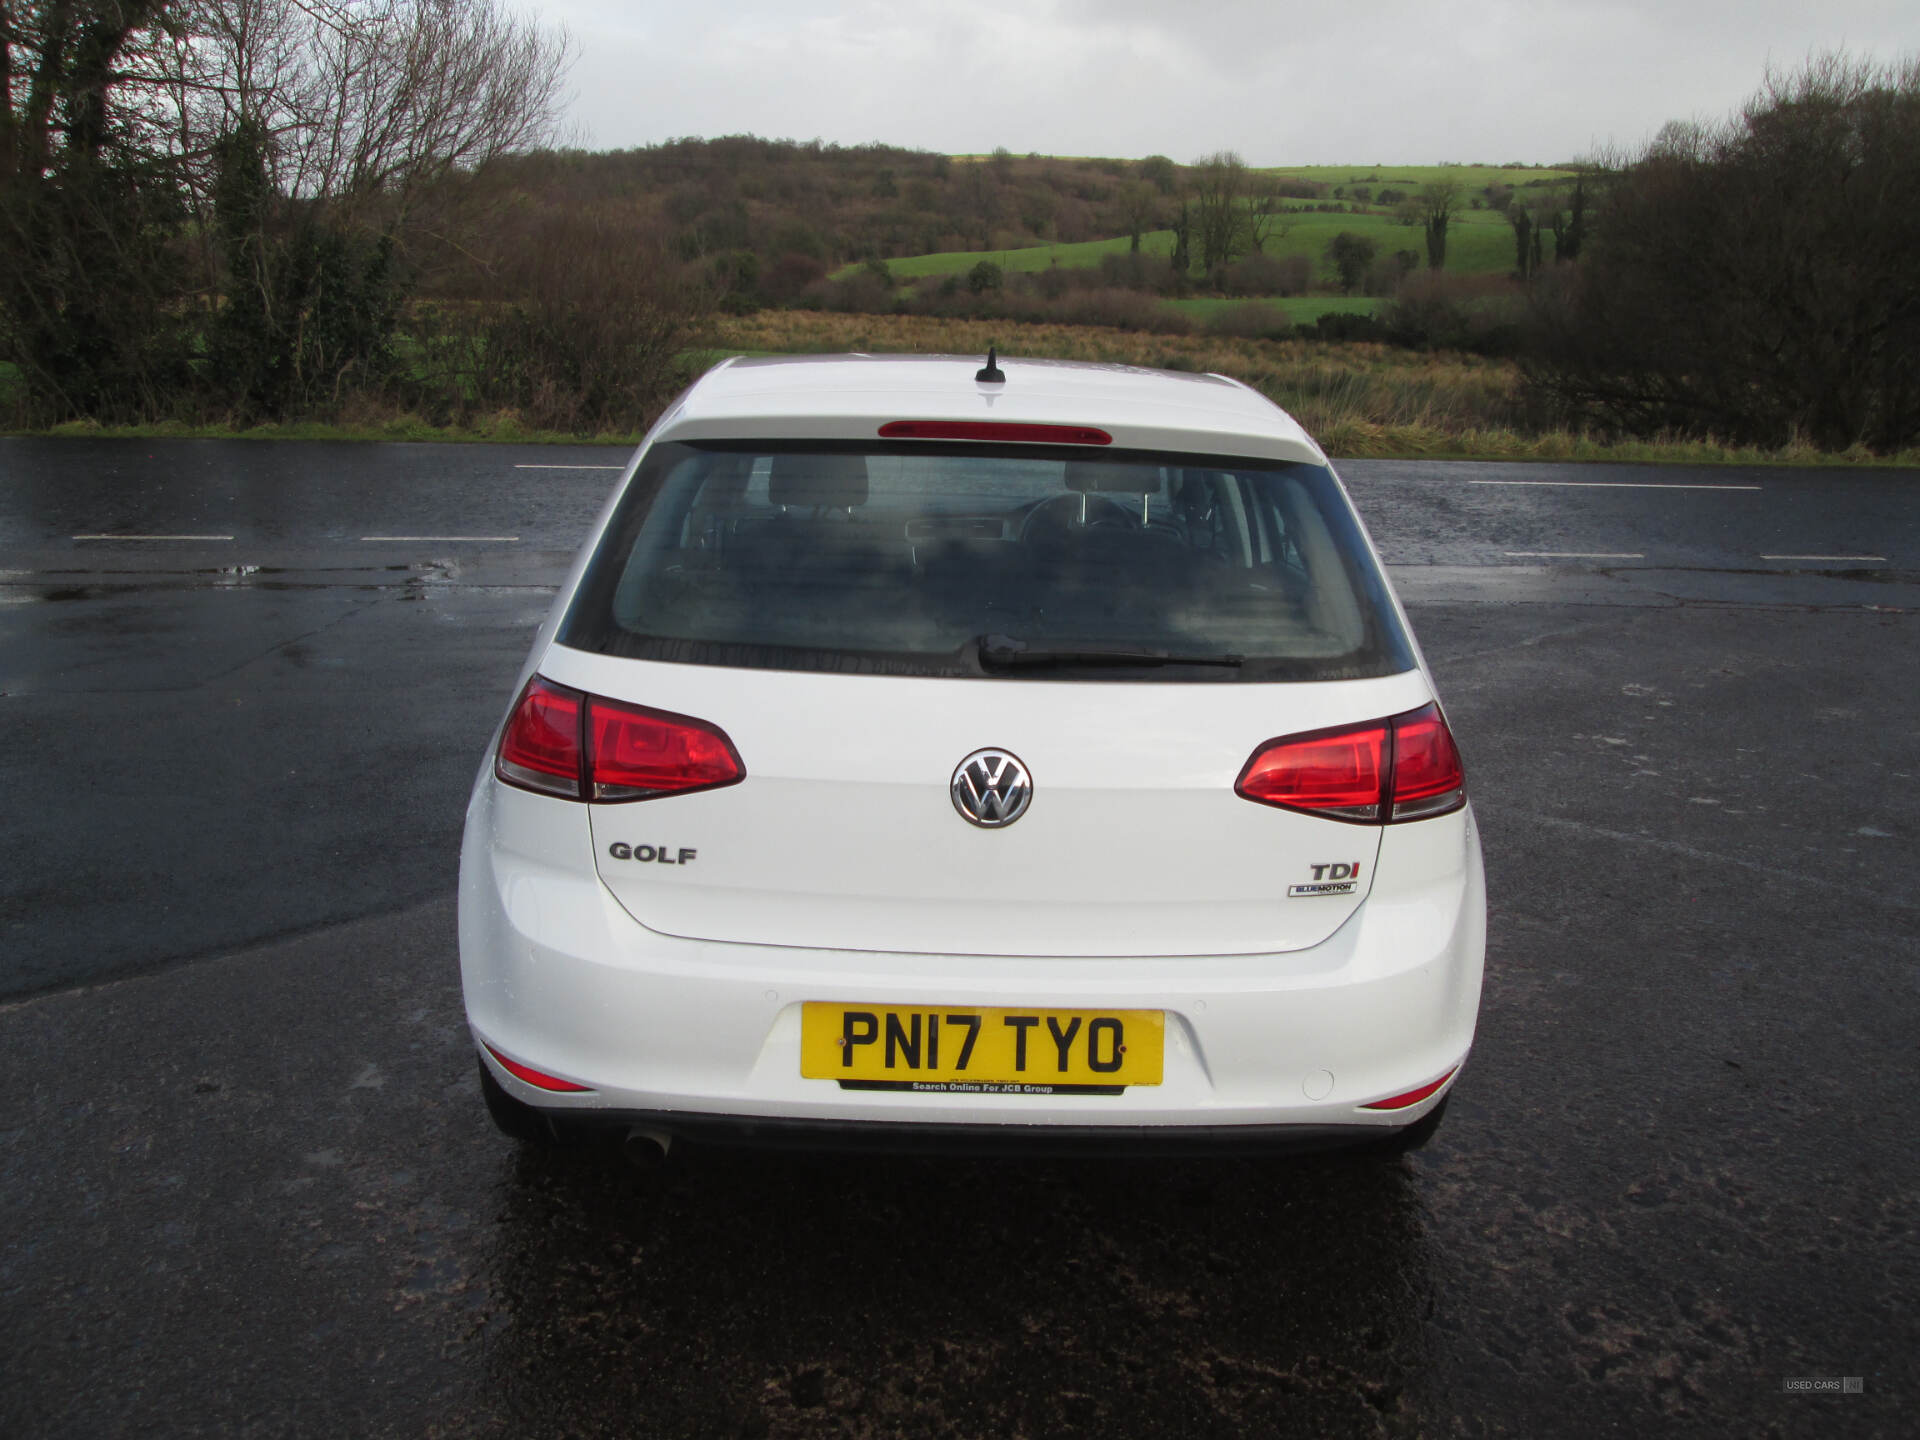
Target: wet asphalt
249, 1188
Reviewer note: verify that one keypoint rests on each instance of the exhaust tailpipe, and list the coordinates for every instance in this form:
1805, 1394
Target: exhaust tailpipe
647, 1150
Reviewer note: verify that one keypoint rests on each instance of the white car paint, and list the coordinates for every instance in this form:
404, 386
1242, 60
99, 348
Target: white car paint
838, 869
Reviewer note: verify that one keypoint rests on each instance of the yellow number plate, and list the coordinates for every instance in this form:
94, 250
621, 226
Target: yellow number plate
961, 1049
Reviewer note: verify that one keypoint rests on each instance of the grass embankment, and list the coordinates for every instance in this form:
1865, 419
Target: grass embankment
1300, 309
402, 429
1359, 400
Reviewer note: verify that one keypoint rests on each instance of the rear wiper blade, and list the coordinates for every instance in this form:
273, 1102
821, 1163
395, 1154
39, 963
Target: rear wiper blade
1003, 652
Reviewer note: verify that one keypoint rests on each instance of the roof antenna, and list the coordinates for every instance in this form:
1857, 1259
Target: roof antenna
992, 374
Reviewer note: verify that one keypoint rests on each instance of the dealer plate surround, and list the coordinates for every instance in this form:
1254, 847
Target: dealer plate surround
968, 1049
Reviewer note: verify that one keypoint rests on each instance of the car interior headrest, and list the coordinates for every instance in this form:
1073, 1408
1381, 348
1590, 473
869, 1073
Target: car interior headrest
1109, 476
809, 481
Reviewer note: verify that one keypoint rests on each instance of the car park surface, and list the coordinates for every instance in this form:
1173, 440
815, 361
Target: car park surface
249, 1188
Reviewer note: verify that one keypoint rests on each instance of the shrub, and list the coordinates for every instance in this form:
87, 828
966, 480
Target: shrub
862, 293
1387, 271
587, 331
1344, 325
1350, 255
1251, 320
1261, 274
1122, 310
1134, 270
1055, 281
788, 276
1434, 310
984, 277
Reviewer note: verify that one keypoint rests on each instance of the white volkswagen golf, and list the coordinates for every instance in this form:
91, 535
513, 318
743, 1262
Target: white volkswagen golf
922, 753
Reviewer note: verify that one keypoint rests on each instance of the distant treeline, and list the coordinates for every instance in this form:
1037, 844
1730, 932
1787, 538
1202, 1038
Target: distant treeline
341, 211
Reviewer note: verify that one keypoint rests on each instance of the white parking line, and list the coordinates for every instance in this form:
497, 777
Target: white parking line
1610, 485
153, 537
1570, 555
440, 539
1879, 558
569, 467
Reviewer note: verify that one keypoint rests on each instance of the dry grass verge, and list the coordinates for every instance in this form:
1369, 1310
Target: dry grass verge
1359, 400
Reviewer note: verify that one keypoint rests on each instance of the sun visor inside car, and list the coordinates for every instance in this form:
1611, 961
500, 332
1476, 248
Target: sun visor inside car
1110, 476
835, 481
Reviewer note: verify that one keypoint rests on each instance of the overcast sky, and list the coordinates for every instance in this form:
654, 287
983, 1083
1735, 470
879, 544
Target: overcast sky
1331, 82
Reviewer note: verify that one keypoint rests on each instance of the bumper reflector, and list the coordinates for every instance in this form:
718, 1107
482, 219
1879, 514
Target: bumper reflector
1412, 1097
535, 1077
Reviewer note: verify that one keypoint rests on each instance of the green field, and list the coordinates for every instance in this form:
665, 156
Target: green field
1472, 178
1032, 258
1480, 242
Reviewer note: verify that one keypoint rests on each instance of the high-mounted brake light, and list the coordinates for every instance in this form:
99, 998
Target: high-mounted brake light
1382, 771
1007, 431
559, 741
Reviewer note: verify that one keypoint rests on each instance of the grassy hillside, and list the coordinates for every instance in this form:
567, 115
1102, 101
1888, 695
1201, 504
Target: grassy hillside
1480, 242
1403, 177
1027, 259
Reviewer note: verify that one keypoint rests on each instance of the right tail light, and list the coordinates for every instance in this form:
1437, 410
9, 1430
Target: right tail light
1377, 772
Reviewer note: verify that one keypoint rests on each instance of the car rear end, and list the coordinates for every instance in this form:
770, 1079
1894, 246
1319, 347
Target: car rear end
921, 756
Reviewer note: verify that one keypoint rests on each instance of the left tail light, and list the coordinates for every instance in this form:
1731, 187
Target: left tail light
564, 742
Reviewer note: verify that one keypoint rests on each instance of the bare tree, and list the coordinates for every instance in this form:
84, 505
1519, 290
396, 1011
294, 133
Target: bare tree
1436, 202
1267, 217
1139, 207
1350, 255
308, 135
1220, 185
1525, 251
368, 101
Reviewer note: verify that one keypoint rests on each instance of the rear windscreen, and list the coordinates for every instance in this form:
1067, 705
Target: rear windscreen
959, 560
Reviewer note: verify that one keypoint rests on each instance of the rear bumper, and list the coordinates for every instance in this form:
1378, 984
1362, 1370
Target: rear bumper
902, 1137
702, 1039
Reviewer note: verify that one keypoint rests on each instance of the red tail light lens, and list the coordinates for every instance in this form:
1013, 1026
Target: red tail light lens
1427, 775
640, 753
1405, 768
1338, 774
540, 748
562, 742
